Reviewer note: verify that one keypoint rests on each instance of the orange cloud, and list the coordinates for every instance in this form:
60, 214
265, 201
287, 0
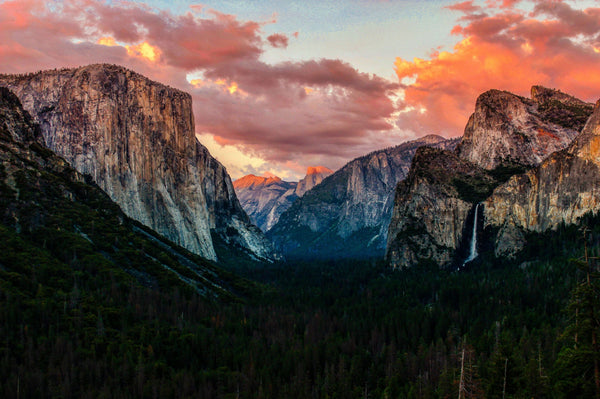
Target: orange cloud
233, 87
107, 41
144, 50
229, 87
197, 82
508, 50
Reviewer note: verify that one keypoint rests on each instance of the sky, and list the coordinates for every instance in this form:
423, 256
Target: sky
279, 86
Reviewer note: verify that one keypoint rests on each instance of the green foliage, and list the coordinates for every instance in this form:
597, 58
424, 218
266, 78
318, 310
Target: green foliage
477, 187
569, 115
333, 329
505, 171
473, 189
577, 366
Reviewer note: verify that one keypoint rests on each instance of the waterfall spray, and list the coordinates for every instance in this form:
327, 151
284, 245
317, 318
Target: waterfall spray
473, 249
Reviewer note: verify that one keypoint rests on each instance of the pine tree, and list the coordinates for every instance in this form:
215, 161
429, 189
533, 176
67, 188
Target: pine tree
577, 366
468, 383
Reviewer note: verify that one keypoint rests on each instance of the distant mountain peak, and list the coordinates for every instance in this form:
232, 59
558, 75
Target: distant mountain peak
432, 139
250, 181
264, 198
315, 170
348, 213
314, 176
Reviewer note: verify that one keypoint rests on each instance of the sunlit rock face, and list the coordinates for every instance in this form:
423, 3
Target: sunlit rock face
560, 190
136, 139
506, 128
348, 214
314, 176
506, 135
265, 198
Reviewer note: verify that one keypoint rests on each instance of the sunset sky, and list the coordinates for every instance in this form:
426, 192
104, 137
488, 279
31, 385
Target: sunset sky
282, 85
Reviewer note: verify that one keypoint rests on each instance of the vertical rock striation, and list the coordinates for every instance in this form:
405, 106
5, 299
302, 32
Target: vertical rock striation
314, 176
136, 139
432, 206
265, 198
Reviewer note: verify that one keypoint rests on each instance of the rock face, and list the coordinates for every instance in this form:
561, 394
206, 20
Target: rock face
505, 136
509, 129
560, 190
265, 198
432, 206
348, 214
136, 139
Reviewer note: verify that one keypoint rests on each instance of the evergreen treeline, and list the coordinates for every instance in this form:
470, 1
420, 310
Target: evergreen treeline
330, 330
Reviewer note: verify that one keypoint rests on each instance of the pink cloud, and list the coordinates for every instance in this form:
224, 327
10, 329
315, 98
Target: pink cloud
324, 111
467, 7
506, 49
278, 40
319, 111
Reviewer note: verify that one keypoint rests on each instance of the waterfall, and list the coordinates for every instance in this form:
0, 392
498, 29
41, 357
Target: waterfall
473, 250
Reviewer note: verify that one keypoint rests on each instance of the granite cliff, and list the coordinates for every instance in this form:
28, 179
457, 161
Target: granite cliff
510, 129
432, 206
314, 176
136, 139
60, 226
348, 214
560, 190
265, 198
505, 136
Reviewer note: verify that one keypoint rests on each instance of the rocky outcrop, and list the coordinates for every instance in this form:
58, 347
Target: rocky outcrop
265, 198
432, 206
348, 214
560, 190
506, 135
136, 139
509, 129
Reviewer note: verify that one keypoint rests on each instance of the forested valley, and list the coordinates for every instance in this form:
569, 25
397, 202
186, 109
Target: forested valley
305, 330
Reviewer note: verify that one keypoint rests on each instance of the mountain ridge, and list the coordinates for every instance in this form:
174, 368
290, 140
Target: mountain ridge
561, 190
348, 213
265, 198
